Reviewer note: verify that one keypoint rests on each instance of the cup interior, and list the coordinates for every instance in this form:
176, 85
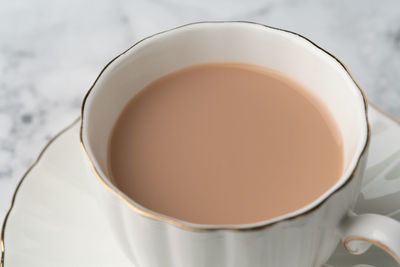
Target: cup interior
243, 42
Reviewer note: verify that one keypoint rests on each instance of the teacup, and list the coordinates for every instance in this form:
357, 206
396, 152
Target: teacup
303, 238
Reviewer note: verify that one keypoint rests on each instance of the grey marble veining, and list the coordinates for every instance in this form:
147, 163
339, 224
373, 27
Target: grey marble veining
51, 52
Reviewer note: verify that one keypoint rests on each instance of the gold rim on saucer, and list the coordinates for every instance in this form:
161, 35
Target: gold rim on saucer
15, 193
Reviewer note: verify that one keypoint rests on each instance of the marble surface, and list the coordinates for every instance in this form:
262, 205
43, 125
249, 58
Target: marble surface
51, 52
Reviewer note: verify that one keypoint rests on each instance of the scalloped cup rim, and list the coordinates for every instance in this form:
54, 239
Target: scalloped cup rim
346, 177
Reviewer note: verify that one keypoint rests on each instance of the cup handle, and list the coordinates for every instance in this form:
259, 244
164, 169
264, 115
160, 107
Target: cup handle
359, 232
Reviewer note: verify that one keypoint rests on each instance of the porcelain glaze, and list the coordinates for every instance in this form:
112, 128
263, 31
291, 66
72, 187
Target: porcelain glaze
306, 237
64, 225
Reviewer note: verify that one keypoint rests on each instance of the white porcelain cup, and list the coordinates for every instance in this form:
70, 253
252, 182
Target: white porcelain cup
303, 238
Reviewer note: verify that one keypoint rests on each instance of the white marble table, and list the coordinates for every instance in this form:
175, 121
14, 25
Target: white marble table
51, 52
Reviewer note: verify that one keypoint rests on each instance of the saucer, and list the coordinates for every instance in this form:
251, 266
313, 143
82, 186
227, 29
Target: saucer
55, 220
